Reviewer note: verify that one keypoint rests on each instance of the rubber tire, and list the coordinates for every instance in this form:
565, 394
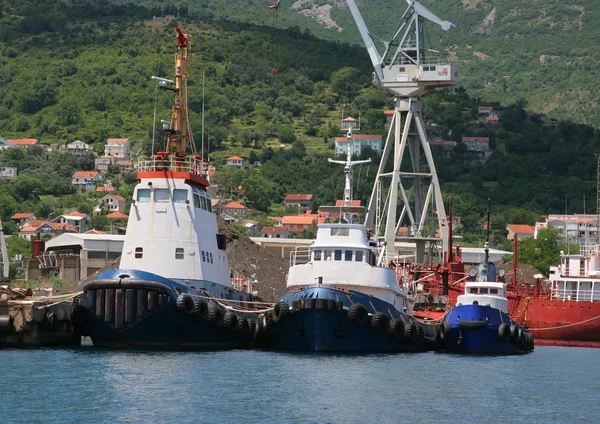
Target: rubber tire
280, 310
410, 332
420, 335
523, 341
519, 336
251, 326
185, 304
230, 320
358, 314
380, 321
50, 319
266, 320
446, 329
242, 325
503, 332
215, 315
396, 329
514, 331
200, 308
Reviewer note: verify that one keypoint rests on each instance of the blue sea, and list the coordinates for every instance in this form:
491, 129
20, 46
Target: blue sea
88, 385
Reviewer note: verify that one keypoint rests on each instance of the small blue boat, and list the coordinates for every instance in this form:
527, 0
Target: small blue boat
480, 324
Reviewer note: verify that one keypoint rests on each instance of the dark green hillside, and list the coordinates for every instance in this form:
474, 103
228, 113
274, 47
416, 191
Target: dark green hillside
548, 48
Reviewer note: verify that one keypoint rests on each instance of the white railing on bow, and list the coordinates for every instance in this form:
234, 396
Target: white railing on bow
299, 256
169, 163
576, 296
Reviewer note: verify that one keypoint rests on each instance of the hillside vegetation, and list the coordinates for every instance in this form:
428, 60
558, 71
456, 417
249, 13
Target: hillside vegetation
84, 73
542, 51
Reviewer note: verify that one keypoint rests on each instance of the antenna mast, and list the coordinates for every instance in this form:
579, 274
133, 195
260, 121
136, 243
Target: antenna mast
408, 70
348, 164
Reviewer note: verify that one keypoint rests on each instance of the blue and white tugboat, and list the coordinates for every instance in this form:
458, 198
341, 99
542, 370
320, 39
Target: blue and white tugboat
173, 289
479, 323
338, 299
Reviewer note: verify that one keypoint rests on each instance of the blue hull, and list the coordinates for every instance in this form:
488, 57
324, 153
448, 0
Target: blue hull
476, 329
318, 321
140, 311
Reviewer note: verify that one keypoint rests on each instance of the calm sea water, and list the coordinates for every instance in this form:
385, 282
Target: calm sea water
89, 385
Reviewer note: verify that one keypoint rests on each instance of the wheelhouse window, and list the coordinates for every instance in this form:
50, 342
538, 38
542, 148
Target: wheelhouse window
493, 291
337, 255
348, 255
139, 252
340, 232
143, 195
210, 256
208, 205
203, 203
327, 255
358, 257
196, 201
203, 257
317, 255
179, 253
179, 195
483, 290
473, 290
161, 195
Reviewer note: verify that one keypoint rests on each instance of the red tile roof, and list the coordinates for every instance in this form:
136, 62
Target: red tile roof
117, 215
492, 118
85, 174
442, 143
298, 220
105, 189
76, 213
116, 140
273, 230
389, 112
234, 158
34, 225
234, 205
23, 142
485, 108
522, 229
22, 215
125, 163
475, 138
117, 197
298, 197
352, 203
359, 137
349, 119
94, 231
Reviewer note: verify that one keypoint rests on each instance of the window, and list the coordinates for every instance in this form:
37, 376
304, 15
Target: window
196, 201
483, 291
203, 203
328, 255
211, 259
139, 252
359, 256
317, 255
143, 195
473, 290
208, 205
179, 253
203, 257
493, 291
340, 231
432, 68
338, 255
161, 195
179, 195
426, 68
348, 255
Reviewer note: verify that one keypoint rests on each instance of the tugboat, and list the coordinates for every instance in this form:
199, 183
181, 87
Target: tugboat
479, 323
173, 289
338, 299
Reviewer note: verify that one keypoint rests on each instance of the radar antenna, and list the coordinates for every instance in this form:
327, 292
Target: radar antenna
407, 69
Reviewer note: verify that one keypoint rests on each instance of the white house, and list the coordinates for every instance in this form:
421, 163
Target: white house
236, 161
102, 164
7, 172
79, 148
359, 141
85, 179
118, 148
75, 219
111, 203
234, 208
275, 232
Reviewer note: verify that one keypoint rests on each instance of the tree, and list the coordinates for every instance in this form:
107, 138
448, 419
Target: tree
345, 82
544, 250
286, 134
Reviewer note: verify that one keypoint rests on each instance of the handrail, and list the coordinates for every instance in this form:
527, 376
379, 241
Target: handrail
171, 163
576, 296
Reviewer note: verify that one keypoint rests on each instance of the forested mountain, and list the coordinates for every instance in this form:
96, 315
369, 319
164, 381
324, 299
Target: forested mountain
542, 51
81, 70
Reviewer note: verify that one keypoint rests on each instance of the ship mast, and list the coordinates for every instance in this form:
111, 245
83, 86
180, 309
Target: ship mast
348, 164
179, 133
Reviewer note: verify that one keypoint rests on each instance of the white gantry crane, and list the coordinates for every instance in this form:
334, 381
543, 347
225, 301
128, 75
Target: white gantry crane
408, 70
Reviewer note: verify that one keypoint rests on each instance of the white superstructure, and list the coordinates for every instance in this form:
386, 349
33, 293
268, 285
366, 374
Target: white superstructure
577, 278
484, 293
343, 258
173, 232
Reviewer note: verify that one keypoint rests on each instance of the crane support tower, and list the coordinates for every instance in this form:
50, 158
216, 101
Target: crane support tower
408, 70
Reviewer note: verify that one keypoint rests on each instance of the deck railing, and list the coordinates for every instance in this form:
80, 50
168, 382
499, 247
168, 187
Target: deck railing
299, 256
576, 296
170, 163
